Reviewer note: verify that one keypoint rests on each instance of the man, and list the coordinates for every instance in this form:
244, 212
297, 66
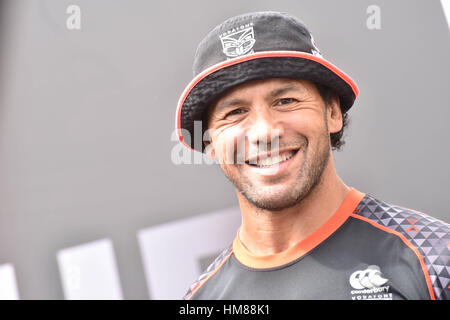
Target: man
272, 110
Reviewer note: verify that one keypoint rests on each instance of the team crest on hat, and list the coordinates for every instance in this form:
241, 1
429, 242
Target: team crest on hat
238, 41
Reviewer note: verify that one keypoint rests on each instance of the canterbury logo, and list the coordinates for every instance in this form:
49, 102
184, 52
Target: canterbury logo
367, 279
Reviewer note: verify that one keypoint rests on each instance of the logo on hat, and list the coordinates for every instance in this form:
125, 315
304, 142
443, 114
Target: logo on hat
238, 41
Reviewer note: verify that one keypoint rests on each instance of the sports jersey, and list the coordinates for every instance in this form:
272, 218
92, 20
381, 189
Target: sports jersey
367, 250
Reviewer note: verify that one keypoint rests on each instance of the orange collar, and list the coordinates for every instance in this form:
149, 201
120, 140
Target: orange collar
249, 259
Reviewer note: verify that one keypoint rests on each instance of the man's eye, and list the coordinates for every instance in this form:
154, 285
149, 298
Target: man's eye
235, 112
285, 101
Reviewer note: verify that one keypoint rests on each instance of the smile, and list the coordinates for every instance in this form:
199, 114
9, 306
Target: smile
271, 161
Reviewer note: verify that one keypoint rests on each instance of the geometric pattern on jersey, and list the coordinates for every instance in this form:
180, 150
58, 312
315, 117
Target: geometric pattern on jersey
208, 272
430, 236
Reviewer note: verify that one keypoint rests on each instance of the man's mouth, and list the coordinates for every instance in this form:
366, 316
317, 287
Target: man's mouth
267, 161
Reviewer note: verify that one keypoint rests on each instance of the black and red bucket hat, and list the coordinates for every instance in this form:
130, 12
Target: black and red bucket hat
255, 46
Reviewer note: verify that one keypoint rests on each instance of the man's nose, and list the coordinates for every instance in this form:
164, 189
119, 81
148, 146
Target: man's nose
264, 129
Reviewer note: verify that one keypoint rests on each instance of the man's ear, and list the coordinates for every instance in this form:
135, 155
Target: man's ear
334, 115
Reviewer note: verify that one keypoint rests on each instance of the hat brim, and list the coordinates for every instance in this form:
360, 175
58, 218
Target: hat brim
219, 78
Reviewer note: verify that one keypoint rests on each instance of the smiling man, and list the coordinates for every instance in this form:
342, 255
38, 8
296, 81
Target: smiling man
273, 110
291, 113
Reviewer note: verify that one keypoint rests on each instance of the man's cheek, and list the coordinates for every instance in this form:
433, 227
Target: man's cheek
230, 147
225, 151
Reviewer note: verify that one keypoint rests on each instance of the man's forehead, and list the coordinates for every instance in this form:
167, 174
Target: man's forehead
267, 84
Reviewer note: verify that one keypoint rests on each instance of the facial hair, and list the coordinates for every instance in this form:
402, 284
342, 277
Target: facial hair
307, 178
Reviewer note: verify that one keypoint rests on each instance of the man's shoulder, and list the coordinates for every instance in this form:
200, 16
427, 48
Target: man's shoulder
412, 223
208, 273
426, 235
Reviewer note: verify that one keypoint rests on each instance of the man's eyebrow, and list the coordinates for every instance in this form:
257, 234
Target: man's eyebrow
272, 94
280, 91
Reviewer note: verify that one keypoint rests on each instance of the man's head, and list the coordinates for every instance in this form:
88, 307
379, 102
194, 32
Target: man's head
280, 128
250, 61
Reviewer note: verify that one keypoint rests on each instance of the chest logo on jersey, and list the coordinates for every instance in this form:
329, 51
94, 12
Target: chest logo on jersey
369, 284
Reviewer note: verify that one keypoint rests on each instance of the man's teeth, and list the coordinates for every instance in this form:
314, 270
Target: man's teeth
267, 162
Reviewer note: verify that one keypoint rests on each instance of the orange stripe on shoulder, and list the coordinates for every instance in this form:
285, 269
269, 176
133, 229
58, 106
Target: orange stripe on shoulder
409, 244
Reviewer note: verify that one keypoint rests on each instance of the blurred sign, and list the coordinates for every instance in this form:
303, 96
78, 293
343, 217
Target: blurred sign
89, 271
174, 254
8, 285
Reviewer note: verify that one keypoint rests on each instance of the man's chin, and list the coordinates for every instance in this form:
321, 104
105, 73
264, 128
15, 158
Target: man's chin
273, 199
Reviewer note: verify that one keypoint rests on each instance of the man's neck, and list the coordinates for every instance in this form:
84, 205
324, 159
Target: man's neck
265, 232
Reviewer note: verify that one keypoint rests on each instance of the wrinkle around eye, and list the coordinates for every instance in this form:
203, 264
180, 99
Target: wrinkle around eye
232, 116
221, 124
235, 112
296, 105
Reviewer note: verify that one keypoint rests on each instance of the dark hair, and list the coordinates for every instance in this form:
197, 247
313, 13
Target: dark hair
337, 139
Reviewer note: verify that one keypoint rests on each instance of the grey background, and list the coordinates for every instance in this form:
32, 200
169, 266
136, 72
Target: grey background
86, 119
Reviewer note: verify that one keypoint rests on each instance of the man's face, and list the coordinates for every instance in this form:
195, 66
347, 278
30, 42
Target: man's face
271, 139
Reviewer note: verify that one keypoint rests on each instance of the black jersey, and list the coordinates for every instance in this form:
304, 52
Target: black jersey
368, 249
